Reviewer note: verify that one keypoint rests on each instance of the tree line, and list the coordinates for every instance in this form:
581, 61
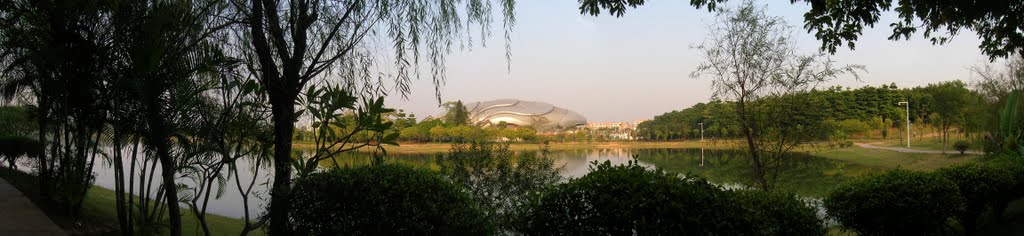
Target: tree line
948, 106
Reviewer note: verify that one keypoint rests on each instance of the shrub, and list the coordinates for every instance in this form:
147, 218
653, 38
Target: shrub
384, 199
1013, 165
779, 214
13, 147
980, 186
898, 202
500, 181
961, 146
632, 200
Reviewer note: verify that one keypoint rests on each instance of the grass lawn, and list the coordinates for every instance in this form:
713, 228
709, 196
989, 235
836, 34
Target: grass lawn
99, 212
887, 159
928, 143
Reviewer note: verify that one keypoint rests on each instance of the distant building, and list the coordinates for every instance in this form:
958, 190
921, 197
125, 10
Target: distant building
614, 130
515, 112
621, 126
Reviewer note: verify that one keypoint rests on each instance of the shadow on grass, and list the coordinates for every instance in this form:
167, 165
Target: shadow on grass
99, 216
86, 224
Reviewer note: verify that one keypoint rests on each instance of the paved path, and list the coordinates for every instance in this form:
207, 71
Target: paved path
908, 150
18, 216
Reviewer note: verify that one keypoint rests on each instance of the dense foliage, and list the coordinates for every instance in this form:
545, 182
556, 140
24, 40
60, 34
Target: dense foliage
846, 112
981, 187
630, 199
898, 202
383, 199
774, 213
17, 121
188, 89
1014, 165
13, 148
499, 180
16, 125
836, 23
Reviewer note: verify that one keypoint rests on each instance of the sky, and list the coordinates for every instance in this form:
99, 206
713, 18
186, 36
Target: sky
637, 66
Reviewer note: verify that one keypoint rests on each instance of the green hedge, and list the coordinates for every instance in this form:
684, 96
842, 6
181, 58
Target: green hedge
632, 200
773, 213
898, 202
981, 187
386, 199
1014, 165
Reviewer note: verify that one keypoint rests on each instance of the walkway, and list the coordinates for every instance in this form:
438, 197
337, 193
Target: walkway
18, 216
908, 150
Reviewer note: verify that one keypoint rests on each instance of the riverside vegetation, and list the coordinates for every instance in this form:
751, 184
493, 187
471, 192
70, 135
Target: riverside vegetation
179, 98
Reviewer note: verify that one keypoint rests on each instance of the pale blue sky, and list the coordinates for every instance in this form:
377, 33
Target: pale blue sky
637, 66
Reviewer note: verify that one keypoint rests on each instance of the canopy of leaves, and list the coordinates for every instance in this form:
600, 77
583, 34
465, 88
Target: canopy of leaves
999, 24
501, 181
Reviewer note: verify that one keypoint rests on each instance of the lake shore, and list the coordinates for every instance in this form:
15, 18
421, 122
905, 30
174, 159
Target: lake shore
553, 146
99, 200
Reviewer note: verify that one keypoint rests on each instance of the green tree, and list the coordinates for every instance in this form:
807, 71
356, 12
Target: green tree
748, 56
302, 41
45, 54
502, 182
953, 98
456, 113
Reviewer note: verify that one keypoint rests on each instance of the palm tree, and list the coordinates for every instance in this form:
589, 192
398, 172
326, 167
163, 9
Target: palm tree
51, 52
169, 55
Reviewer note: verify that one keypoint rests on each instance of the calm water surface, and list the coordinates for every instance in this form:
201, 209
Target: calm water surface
803, 175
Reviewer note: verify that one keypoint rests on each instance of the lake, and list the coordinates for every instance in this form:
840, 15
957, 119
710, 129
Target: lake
804, 175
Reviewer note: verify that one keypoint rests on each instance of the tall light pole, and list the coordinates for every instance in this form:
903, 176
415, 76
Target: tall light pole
907, 107
702, 131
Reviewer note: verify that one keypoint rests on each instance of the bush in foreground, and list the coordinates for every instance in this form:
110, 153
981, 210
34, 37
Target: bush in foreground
385, 199
1014, 165
980, 186
898, 202
779, 214
632, 200
500, 181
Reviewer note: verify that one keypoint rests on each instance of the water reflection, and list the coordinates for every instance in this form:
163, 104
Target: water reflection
804, 175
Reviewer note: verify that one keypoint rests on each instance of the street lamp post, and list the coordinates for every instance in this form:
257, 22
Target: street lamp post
907, 107
701, 131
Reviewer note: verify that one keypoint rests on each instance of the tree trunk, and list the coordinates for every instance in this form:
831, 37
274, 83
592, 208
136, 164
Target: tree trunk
44, 170
122, 211
280, 201
167, 172
759, 172
158, 135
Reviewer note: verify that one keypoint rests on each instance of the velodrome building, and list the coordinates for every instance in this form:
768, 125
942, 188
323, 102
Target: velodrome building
522, 113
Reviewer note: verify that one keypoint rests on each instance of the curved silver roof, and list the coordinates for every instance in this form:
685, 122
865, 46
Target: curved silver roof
522, 113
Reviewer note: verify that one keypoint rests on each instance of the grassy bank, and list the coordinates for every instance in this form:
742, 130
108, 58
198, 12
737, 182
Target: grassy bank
887, 159
99, 215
